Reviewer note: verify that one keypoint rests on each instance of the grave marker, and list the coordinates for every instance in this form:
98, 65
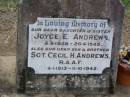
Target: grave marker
68, 46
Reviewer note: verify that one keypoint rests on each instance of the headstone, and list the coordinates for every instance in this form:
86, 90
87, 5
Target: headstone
68, 46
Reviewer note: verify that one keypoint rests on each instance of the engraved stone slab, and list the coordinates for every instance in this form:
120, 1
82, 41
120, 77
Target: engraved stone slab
69, 46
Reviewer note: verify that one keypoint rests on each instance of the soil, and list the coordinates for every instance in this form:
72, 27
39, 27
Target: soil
8, 23
126, 31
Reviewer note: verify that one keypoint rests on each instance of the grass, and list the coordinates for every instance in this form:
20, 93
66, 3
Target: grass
127, 6
126, 3
8, 4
